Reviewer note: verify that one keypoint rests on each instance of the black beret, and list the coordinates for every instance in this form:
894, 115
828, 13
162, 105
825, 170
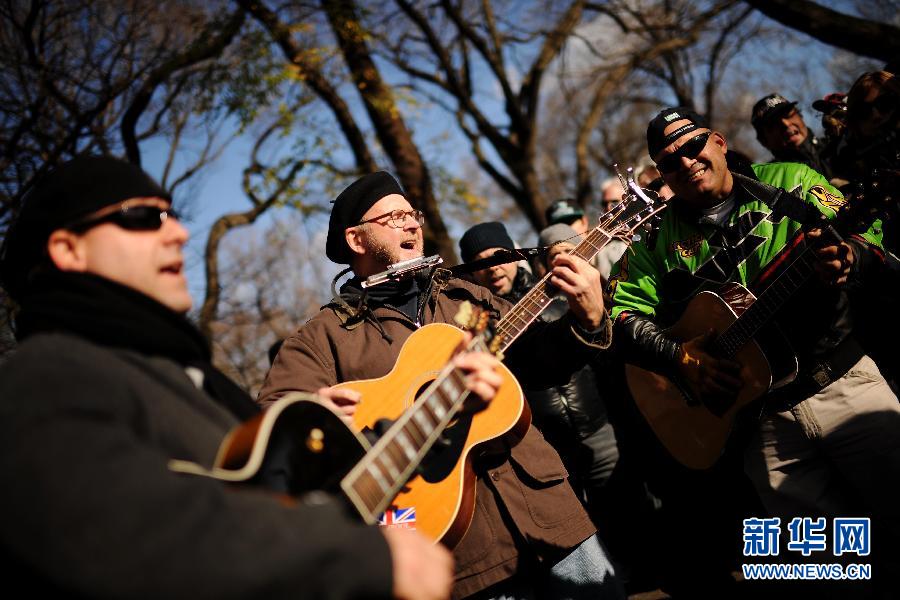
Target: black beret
657, 140
76, 188
350, 206
483, 236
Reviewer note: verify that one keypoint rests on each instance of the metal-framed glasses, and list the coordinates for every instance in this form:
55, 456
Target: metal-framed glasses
397, 218
690, 149
127, 215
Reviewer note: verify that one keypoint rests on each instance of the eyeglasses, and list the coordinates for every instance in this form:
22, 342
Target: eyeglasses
397, 218
133, 217
690, 149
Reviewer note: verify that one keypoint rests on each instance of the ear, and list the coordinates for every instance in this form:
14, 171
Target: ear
354, 238
67, 250
720, 141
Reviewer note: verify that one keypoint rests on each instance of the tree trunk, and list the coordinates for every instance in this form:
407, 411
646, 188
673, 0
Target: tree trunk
860, 36
390, 128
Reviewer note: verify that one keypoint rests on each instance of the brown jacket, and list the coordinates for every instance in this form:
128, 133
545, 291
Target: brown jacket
527, 482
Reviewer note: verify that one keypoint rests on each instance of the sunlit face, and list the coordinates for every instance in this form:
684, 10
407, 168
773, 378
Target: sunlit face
499, 278
381, 243
612, 195
703, 180
783, 132
150, 262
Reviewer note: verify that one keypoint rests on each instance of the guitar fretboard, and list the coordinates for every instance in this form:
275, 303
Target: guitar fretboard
765, 306
532, 304
375, 481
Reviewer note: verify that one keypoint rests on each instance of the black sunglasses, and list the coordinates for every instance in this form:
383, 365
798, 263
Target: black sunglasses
690, 149
133, 218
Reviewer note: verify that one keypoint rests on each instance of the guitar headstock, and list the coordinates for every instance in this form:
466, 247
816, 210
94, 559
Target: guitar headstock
478, 321
639, 209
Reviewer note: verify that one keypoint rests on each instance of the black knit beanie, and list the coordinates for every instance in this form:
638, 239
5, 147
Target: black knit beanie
76, 188
483, 236
351, 205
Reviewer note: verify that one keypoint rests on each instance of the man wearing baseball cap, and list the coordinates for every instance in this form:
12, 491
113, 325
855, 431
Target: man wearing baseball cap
823, 445
567, 211
781, 130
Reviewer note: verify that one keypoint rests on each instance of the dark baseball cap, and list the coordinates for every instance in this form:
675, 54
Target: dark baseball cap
657, 139
563, 211
768, 107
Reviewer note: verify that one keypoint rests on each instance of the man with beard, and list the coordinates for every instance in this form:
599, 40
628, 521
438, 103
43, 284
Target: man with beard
110, 384
780, 128
827, 441
530, 536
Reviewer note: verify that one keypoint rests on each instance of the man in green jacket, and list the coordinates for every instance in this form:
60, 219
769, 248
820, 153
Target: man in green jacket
828, 440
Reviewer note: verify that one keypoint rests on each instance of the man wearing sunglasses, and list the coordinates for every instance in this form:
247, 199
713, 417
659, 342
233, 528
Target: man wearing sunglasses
529, 531
780, 128
827, 440
110, 382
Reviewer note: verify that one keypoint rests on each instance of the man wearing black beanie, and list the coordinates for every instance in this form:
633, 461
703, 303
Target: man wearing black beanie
530, 535
110, 384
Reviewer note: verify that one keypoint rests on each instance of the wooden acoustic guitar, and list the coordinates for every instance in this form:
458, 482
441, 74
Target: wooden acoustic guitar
694, 429
421, 467
300, 445
443, 492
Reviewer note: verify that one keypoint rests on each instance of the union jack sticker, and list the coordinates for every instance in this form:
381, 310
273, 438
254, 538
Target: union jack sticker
404, 518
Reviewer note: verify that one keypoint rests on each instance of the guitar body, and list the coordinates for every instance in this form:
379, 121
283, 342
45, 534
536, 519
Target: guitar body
443, 493
296, 446
692, 433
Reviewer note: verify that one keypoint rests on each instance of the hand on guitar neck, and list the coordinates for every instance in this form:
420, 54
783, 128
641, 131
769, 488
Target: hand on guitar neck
834, 260
581, 283
714, 378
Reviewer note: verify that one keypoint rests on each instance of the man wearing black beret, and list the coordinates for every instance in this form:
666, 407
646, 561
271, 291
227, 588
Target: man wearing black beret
529, 534
111, 383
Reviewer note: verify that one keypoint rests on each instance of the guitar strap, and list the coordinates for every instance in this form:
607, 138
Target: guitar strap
782, 203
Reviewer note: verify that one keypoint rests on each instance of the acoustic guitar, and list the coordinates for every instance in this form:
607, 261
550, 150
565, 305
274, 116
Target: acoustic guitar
420, 469
695, 429
299, 445
443, 492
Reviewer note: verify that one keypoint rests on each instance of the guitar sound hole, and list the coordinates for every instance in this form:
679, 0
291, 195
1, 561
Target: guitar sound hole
444, 455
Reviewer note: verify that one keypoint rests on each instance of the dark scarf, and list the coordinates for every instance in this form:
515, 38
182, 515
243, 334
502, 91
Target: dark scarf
401, 295
111, 314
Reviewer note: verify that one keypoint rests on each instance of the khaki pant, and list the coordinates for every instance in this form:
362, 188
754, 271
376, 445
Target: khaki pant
836, 454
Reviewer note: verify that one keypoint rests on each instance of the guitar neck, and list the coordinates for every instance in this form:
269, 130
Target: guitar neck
766, 306
532, 304
377, 479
